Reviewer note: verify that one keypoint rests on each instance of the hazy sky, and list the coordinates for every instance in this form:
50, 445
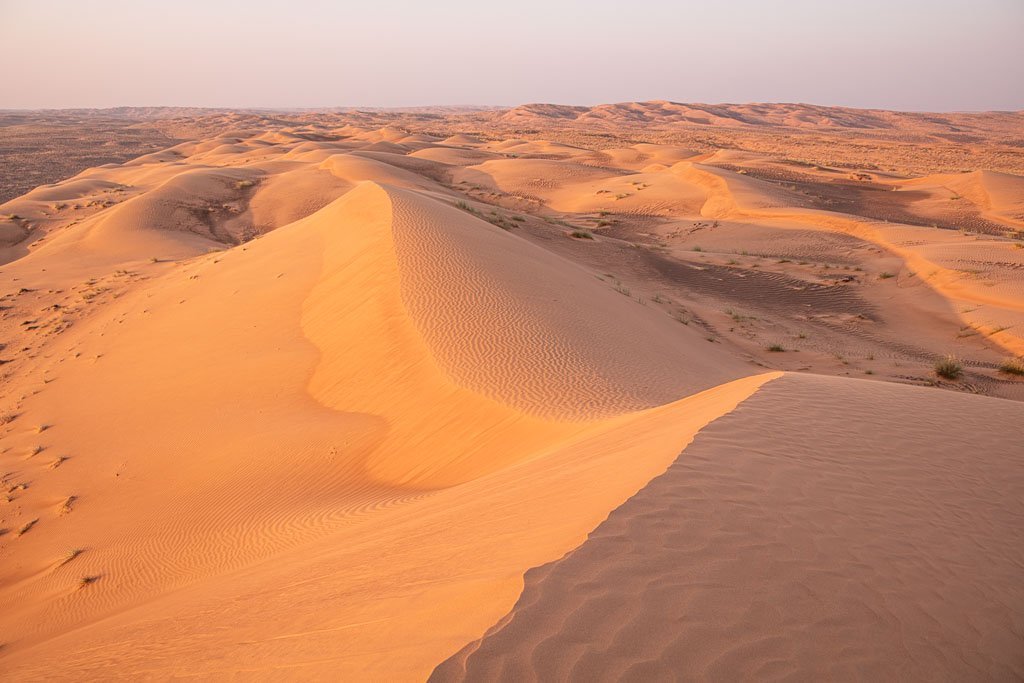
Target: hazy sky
898, 54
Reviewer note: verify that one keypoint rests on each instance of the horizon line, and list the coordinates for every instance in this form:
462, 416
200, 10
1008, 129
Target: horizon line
485, 107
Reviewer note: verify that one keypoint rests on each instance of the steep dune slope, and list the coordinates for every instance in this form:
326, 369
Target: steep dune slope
293, 397
829, 552
528, 334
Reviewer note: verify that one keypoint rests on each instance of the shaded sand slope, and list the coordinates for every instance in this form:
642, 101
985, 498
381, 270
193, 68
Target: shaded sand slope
261, 455
393, 589
826, 529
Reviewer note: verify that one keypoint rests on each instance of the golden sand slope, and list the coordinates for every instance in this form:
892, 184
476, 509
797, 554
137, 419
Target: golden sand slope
863, 546
258, 419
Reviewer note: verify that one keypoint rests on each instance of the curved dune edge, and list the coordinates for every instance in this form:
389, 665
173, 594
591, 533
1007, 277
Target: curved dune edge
827, 552
275, 506
530, 329
724, 200
394, 591
477, 347
999, 196
373, 360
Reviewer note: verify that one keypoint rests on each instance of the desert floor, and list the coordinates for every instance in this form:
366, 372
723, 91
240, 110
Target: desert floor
631, 392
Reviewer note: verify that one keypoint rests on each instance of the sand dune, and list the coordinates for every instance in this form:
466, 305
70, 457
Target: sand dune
744, 115
346, 397
831, 554
374, 426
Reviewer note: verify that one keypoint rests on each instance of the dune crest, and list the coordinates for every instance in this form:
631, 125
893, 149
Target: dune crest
755, 560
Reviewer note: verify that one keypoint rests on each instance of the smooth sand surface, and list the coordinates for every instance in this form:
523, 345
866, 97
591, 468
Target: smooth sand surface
826, 529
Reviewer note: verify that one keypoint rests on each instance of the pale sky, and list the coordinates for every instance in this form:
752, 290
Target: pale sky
936, 55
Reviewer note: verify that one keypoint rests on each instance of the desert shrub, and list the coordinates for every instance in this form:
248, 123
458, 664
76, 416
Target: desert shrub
466, 207
1013, 366
949, 367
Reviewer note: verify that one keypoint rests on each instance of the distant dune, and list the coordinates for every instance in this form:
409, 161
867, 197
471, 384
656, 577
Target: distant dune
542, 393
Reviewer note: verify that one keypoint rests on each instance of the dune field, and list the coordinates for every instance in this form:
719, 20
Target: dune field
645, 391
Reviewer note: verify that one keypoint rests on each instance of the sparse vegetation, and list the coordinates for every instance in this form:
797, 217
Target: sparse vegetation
26, 527
949, 368
1012, 366
494, 218
774, 348
885, 276
66, 506
581, 235
87, 581
69, 555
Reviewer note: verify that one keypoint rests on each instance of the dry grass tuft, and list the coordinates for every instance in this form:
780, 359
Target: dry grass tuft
67, 505
1012, 366
26, 527
949, 367
69, 555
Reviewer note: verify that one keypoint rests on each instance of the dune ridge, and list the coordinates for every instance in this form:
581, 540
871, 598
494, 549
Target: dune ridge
346, 448
820, 554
